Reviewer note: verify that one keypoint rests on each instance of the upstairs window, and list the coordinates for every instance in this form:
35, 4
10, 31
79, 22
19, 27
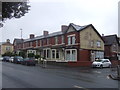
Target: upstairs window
48, 41
56, 40
71, 40
92, 43
62, 39
7, 48
98, 43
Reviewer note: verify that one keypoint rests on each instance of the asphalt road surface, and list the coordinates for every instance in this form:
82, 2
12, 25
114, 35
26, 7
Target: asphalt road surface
21, 76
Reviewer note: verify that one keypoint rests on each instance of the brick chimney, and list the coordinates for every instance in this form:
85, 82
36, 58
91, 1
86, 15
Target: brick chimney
64, 28
45, 33
8, 40
32, 36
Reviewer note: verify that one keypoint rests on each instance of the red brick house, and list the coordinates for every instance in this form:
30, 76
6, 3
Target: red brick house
112, 47
76, 45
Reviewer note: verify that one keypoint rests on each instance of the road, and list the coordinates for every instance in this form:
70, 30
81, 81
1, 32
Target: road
21, 76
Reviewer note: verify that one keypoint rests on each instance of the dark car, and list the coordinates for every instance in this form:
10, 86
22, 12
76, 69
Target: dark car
6, 58
17, 59
29, 61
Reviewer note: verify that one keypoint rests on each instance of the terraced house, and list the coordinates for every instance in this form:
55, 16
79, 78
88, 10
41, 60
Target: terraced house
75, 45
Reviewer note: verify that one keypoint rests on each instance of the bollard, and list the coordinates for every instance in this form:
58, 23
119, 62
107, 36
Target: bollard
44, 63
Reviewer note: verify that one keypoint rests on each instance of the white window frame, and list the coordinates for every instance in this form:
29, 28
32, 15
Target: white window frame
54, 53
62, 39
56, 40
70, 54
73, 40
48, 41
98, 43
69, 40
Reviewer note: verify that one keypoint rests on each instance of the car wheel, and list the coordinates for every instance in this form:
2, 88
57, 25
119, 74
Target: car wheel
101, 66
27, 64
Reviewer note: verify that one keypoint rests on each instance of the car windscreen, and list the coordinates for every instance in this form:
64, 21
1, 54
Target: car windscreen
19, 57
99, 60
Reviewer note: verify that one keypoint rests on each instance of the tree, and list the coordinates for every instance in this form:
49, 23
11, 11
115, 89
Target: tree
30, 55
14, 9
22, 54
37, 56
8, 54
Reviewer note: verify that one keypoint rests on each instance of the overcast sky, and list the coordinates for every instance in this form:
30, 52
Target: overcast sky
51, 14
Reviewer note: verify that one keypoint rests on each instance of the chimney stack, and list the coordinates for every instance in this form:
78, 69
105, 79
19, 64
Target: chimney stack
64, 28
45, 33
103, 35
32, 36
8, 40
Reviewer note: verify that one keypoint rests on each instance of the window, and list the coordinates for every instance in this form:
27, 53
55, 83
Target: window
36, 42
48, 53
7, 48
98, 43
40, 42
48, 41
99, 54
57, 53
68, 55
53, 53
71, 40
62, 39
71, 55
92, 43
114, 47
44, 54
56, 40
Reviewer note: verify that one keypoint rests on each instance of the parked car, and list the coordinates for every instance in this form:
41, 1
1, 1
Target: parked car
29, 61
1, 58
101, 63
11, 59
6, 58
17, 59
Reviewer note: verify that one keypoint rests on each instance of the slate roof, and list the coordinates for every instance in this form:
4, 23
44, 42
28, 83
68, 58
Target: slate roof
110, 39
76, 27
42, 36
18, 40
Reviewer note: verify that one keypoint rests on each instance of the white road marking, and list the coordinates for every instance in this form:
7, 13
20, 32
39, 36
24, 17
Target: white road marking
80, 87
97, 72
108, 77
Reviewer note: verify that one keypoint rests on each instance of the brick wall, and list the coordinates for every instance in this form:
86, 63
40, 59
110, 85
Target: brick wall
84, 55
